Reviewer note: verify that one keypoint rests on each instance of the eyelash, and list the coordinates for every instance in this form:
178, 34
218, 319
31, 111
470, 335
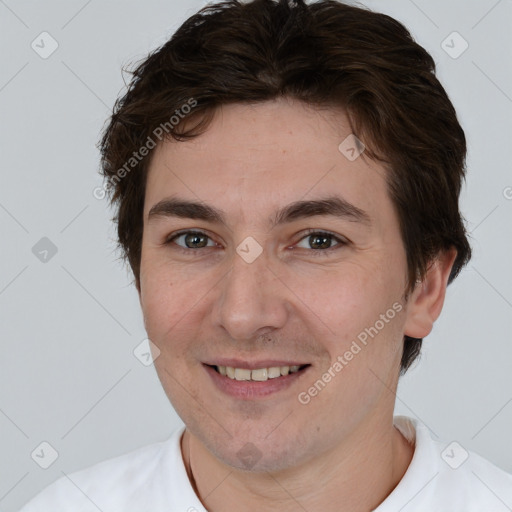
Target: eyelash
308, 233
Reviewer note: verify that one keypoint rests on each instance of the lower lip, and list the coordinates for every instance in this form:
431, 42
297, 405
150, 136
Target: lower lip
249, 389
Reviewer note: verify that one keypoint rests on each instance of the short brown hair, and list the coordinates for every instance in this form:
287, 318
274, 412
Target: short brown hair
325, 54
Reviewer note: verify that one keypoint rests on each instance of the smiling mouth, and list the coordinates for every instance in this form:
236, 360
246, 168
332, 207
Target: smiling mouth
259, 374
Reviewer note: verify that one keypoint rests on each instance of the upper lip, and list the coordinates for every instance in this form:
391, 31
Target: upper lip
253, 365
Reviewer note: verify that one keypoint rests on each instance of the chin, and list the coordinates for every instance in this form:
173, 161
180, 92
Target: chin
252, 460
257, 456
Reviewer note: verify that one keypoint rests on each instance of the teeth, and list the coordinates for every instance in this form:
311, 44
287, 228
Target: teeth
260, 374
274, 372
241, 374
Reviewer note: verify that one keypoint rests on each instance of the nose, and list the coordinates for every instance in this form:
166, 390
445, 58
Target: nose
252, 300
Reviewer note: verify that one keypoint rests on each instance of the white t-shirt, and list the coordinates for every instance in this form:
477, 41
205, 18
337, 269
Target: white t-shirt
153, 479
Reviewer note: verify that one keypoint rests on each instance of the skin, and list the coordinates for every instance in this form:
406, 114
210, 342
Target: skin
340, 451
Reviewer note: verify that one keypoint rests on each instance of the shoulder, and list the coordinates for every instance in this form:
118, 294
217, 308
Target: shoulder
445, 476
467, 477
113, 484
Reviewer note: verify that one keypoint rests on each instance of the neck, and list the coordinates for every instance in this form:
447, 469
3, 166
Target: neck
357, 475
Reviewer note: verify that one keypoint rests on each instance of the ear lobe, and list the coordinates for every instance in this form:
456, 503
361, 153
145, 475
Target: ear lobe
427, 299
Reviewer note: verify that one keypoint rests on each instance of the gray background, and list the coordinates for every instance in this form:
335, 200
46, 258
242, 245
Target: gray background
68, 375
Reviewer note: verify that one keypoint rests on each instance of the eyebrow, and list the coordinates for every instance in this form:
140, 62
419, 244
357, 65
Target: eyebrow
330, 206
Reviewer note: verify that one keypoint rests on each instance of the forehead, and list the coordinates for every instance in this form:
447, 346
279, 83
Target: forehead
266, 154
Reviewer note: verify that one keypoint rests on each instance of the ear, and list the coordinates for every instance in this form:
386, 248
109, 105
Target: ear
427, 299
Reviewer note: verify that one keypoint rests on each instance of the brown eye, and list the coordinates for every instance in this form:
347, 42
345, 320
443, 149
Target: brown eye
320, 240
191, 240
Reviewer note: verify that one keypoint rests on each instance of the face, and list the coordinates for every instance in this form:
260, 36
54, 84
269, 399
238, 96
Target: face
294, 259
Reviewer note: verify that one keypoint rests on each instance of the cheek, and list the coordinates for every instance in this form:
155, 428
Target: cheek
343, 298
364, 351
156, 300
174, 305
357, 304
161, 301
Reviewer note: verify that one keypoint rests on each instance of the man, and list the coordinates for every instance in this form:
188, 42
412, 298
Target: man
287, 180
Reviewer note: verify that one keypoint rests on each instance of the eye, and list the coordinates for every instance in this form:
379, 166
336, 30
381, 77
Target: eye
320, 241
191, 240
